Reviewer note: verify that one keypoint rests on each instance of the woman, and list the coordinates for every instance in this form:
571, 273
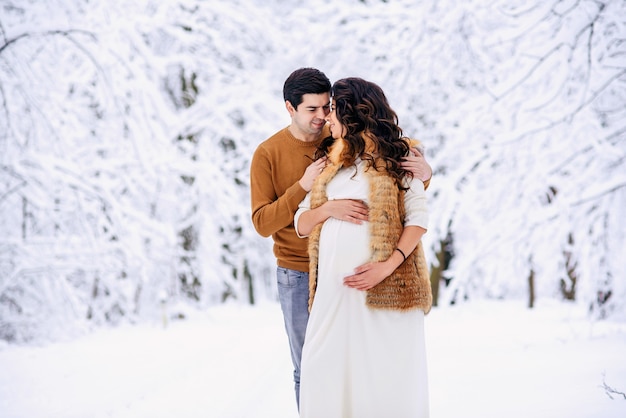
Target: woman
364, 351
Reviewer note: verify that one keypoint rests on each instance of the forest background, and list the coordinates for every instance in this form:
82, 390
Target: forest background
127, 128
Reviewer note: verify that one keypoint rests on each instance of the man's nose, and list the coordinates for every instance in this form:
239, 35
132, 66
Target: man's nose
321, 113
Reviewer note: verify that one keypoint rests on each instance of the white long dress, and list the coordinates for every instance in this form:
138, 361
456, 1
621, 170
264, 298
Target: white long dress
360, 362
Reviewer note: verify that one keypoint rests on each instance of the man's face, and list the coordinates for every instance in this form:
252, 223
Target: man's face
309, 118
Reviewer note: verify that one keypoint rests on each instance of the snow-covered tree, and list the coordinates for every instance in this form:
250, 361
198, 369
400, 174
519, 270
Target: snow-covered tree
535, 157
126, 130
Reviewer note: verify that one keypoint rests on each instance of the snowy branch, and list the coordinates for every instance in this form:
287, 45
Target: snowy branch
65, 33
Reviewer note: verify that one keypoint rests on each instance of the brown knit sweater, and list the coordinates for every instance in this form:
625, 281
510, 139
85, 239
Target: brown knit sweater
277, 165
408, 287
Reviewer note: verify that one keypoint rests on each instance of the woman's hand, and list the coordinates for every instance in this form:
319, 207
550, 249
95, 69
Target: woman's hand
370, 274
349, 210
310, 174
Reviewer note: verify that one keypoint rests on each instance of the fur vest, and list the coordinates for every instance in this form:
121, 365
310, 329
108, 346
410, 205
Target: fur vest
408, 287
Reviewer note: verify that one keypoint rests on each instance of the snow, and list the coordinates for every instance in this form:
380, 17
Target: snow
126, 126
485, 359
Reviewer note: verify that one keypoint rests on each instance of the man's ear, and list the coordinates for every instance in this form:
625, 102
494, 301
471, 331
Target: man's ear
290, 107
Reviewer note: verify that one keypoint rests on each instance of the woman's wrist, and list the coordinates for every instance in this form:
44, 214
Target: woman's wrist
397, 258
402, 253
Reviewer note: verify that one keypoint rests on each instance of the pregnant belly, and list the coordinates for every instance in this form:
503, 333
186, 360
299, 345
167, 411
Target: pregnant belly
343, 246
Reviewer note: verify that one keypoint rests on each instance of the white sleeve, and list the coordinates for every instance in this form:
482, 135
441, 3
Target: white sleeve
416, 205
302, 207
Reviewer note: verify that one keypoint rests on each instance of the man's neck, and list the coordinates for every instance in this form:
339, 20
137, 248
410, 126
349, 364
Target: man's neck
298, 134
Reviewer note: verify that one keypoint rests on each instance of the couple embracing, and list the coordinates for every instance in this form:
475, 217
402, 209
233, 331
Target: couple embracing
341, 191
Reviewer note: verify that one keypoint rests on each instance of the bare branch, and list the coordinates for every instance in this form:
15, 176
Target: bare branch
14, 188
609, 390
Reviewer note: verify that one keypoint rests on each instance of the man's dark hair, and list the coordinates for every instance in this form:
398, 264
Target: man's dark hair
305, 81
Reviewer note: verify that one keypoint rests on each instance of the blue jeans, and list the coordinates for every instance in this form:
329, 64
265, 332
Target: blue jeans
293, 292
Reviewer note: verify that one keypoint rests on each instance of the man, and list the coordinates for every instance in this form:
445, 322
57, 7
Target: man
281, 174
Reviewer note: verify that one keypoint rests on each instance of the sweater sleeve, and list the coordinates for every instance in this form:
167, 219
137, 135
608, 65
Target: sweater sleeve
270, 212
303, 207
415, 204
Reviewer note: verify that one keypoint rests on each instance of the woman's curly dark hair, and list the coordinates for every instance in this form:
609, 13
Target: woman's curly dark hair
363, 109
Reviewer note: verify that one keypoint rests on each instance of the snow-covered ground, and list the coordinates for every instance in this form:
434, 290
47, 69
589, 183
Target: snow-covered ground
486, 359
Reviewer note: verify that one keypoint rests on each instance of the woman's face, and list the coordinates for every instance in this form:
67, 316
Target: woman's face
337, 130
